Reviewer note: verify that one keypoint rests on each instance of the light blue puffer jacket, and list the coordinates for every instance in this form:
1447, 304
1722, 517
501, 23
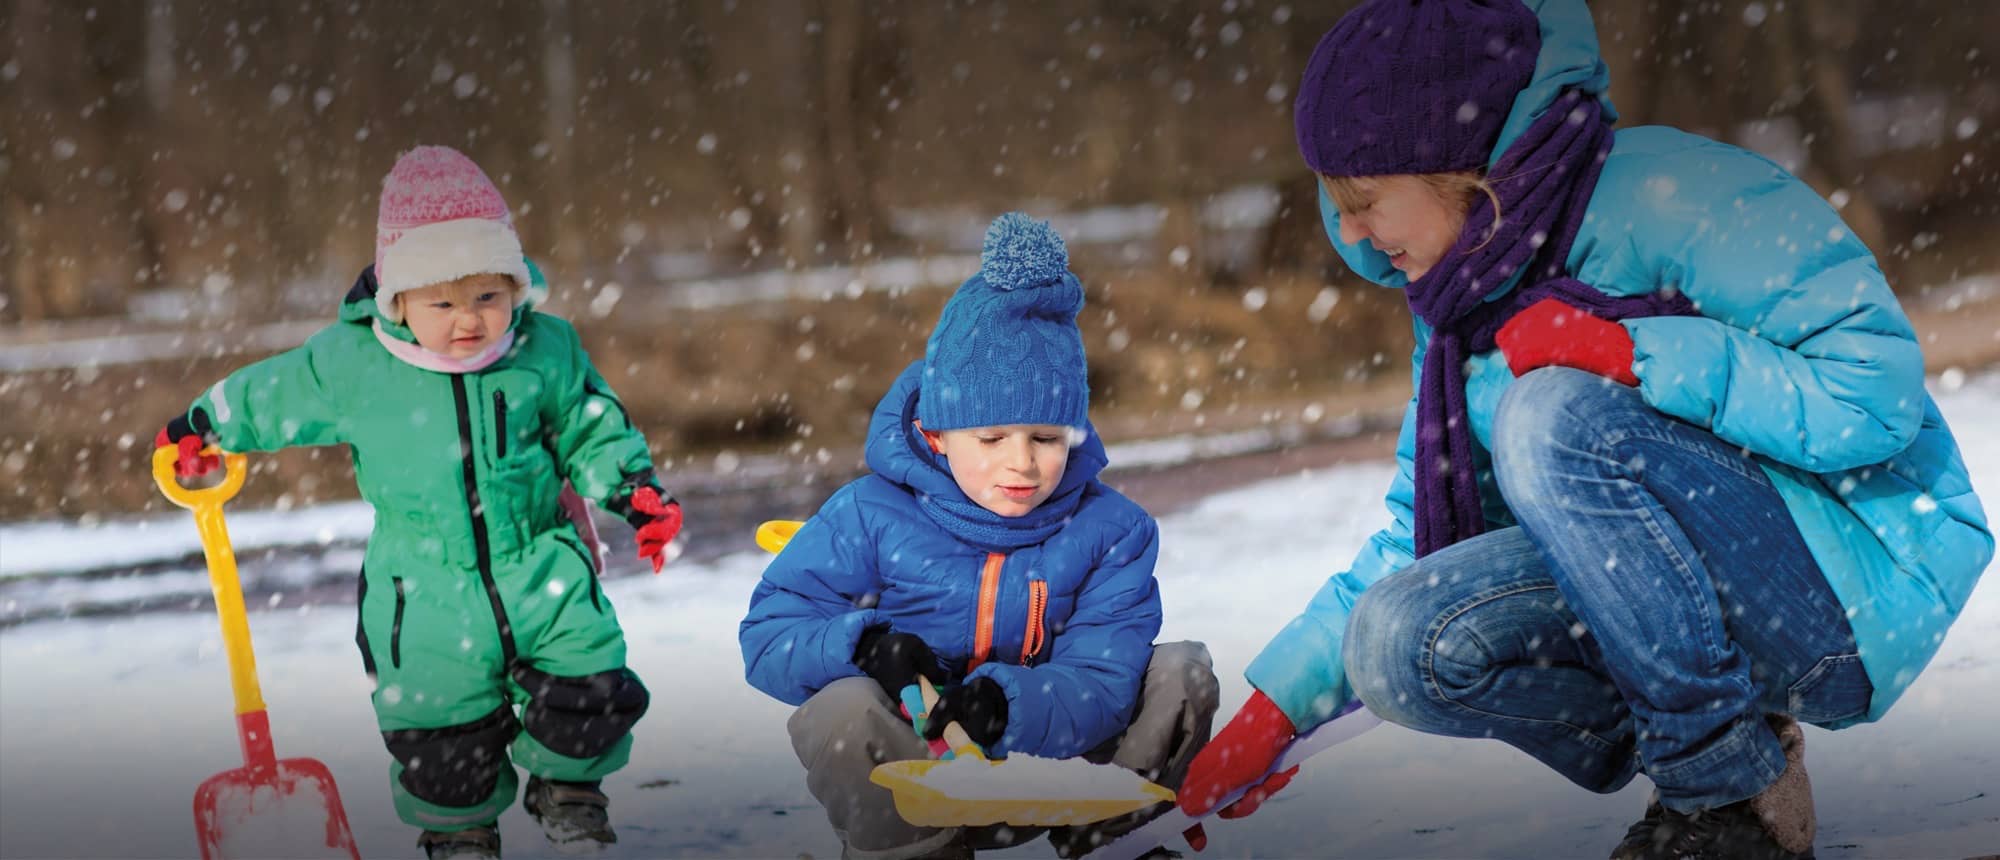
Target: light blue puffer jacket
1801, 355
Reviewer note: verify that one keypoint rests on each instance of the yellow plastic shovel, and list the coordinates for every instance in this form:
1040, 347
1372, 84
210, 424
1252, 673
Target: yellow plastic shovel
924, 804
269, 806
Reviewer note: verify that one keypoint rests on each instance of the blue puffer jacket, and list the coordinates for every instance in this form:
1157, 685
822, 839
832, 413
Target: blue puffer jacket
1801, 355
1069, 622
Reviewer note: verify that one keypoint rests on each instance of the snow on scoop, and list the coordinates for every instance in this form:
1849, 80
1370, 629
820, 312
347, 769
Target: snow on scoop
1351, 721
269, 807
966, 789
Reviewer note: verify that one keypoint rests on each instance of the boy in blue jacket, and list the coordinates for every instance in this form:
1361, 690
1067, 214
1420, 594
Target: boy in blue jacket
983, 554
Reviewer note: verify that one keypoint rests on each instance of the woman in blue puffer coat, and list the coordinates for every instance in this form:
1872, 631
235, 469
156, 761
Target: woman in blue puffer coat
983, 555
1670, 483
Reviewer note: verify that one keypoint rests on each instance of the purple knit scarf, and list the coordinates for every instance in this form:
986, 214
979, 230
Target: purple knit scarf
1544, 182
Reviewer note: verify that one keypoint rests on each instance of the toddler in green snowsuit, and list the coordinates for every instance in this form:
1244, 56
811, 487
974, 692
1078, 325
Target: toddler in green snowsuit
481, 618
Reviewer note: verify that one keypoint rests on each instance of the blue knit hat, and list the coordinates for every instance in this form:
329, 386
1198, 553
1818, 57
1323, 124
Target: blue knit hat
1006, 350
1414, 86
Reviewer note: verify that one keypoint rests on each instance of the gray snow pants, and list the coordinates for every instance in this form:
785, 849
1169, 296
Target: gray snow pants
850, 726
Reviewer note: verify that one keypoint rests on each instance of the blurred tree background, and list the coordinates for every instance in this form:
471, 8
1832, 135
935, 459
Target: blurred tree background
210, 168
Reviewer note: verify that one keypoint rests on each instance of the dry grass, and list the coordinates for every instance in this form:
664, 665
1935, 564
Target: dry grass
1166, 356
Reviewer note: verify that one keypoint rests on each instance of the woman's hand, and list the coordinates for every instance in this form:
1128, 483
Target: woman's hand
1239, 755
1551, 333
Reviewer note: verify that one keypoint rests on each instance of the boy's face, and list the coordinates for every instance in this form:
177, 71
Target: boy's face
1008, 470
460, 318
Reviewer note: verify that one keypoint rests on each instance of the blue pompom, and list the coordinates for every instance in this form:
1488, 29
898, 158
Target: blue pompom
1022, 253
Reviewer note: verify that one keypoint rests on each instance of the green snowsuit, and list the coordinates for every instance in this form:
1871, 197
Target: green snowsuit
477, 595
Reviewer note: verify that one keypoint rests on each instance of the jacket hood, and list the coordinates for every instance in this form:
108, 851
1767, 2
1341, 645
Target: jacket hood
1569, 58
898, 452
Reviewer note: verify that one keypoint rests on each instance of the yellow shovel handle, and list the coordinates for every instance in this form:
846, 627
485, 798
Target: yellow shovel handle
773, 535
207, 506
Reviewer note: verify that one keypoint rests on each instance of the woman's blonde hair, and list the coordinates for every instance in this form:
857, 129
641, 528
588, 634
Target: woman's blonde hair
1351, 194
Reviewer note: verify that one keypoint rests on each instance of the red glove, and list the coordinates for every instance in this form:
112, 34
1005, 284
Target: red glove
1552, 333
658, 522
191, 463
1240, 754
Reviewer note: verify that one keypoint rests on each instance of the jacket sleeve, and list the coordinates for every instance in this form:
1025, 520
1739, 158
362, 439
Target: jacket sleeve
1302, 669
290, 399
1086, 692
805, 616
1801, 353
599, 450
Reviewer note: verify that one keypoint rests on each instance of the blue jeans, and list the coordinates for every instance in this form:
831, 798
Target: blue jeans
1654, 603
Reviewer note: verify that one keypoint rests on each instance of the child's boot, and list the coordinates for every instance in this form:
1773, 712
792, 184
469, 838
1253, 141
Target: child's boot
572, 814
474, 843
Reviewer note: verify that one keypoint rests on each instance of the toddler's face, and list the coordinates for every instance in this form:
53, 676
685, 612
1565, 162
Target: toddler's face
460, 318
1008, 470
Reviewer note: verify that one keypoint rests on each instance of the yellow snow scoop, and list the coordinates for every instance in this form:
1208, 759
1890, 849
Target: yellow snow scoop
269, 807
967, 789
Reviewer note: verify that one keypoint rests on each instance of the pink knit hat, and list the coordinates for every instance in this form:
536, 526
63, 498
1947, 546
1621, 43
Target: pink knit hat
441, 219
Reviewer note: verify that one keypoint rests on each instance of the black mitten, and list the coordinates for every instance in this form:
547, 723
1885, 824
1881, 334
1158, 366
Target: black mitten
980, 708
894, 660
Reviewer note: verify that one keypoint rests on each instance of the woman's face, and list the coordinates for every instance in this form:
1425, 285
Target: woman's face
1404, 217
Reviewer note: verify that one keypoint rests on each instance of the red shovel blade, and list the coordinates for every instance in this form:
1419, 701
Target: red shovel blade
288, 809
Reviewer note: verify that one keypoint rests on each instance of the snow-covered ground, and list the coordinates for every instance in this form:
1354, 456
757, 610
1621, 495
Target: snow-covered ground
107, 725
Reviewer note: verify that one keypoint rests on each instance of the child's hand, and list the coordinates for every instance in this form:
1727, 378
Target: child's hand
658, 521
1238, 756
894, 660
980, 708
191, 463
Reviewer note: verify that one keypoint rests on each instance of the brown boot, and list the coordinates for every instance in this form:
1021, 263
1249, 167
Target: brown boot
1786, 808
1777, 824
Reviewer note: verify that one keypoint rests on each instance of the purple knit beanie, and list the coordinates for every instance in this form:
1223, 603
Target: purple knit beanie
1414, 86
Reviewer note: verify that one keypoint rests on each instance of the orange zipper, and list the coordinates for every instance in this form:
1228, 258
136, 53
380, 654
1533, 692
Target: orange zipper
989, 594
1038, 602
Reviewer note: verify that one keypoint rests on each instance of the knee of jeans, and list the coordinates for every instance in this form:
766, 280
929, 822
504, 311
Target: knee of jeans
1547, 410
1383, 650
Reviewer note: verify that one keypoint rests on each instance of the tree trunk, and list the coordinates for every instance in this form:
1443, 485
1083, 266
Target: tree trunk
558, 130
1825, 116
849, 209
761, 228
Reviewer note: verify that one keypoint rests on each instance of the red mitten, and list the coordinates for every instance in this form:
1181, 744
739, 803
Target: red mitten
1197, 837
1551, 333
190, 462
660, 521
1255, 797
1240, 754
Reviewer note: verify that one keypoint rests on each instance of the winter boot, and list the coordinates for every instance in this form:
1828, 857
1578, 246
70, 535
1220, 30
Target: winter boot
476, 843
1786, 808
572, 814
1777, 824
